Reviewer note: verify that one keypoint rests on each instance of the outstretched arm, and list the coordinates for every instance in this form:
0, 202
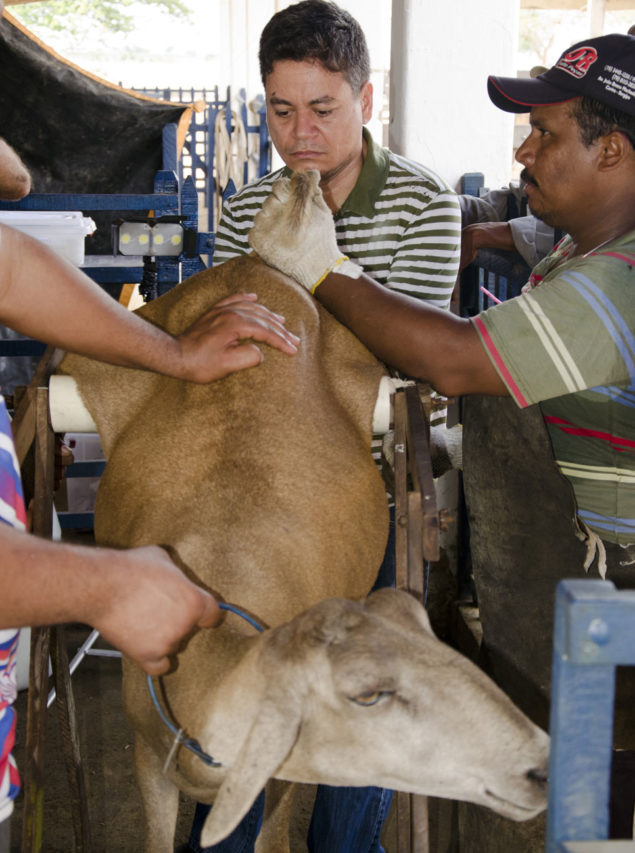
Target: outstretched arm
137, 599
484, 235
44, 296
294, 232
418, 339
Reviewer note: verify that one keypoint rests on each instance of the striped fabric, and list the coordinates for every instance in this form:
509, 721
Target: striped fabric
12, 512
568, 343
401, 223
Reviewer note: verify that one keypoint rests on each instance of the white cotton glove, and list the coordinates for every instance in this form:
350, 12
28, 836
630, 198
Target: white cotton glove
295, 233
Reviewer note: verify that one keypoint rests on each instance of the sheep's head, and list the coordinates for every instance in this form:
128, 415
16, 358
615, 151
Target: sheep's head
363, 693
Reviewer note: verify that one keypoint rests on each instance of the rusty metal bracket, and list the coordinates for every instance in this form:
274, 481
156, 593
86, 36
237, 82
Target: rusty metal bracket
416, 514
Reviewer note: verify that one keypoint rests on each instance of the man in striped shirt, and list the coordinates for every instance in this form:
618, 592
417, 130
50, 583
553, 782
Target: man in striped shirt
395, 217
568, 341
392, 215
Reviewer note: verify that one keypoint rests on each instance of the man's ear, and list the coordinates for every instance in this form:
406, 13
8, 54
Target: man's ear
366, 101
615, 149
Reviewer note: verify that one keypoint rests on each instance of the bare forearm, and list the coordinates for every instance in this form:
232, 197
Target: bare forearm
137, 599
484, 235
420, 340
491, 235
43, 296
67, 309
46, 583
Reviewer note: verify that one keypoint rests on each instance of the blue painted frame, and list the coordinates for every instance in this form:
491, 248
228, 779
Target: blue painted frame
594, 632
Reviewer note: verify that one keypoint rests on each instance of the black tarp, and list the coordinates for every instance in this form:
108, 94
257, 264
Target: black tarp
77, 133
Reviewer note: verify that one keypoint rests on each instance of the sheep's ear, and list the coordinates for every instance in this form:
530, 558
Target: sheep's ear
283, 661
269, 742
400, 607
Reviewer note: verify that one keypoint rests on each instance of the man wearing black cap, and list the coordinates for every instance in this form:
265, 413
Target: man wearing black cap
574, 327
568, 342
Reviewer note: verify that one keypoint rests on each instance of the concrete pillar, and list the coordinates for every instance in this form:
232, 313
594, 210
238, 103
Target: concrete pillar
596, 13
440, 113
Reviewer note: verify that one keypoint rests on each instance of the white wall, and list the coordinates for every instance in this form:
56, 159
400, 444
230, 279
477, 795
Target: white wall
441, 115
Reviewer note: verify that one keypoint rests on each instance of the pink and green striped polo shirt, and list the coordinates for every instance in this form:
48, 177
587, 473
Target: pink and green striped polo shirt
568, 343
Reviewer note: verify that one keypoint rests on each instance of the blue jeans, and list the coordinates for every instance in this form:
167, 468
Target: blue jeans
344, 820
241, 840
348, 820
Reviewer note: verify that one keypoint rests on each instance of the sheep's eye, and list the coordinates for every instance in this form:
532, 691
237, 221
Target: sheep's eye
367, 699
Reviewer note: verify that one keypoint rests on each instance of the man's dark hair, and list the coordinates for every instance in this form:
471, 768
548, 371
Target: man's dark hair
316, 30
597, 119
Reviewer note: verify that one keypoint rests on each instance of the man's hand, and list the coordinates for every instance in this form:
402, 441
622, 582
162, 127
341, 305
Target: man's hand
221, 341
484, 235
15, 181
294, 232
149, 606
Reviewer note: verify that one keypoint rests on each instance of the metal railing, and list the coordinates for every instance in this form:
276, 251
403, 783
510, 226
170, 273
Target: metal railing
228, 128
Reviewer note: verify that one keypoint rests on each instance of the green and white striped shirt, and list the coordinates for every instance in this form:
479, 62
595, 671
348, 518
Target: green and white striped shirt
401, 222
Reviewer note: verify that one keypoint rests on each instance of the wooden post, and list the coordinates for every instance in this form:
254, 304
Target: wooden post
42, 507
65, 706
33, 428
416, 541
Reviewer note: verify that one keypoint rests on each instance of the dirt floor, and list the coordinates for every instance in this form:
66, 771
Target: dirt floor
107, 752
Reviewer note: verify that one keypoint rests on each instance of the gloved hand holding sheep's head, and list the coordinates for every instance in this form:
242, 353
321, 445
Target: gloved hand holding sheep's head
295, 233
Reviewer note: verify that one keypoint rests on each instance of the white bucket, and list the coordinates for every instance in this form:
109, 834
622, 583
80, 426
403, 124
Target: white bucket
63, 231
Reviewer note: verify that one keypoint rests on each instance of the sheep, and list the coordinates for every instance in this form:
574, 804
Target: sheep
263, 488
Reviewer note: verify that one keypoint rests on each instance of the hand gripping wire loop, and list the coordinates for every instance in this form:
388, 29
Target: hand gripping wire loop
179, 737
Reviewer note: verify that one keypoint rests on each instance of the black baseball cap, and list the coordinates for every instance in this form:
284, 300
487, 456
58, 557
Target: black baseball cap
602, 68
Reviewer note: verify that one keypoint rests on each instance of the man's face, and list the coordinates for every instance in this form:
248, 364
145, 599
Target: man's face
560, 171
315, 119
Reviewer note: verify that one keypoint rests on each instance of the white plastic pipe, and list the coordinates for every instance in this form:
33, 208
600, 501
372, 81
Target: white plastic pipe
383, 414
68, 412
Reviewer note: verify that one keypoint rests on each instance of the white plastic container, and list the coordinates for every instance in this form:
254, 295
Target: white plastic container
63, 231
82, 491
